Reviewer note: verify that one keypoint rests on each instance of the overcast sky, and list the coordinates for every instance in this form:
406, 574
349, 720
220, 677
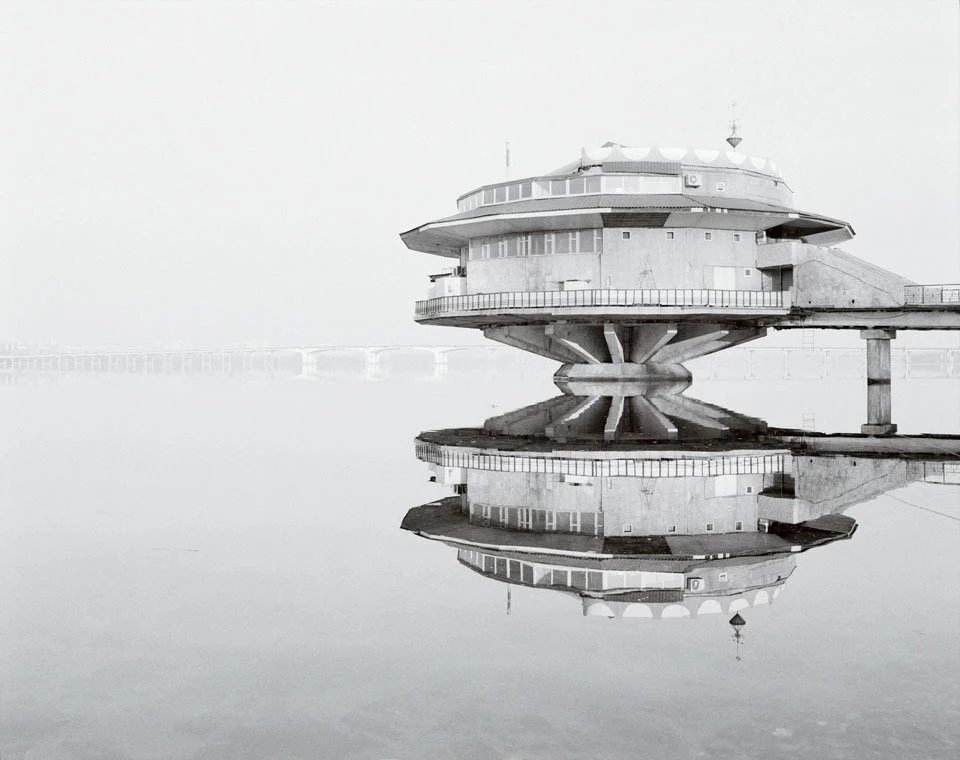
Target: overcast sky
218, 174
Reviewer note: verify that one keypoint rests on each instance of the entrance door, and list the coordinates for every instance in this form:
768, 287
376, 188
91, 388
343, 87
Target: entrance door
724, 278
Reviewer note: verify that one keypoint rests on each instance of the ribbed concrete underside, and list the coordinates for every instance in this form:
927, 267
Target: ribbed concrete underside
617, 352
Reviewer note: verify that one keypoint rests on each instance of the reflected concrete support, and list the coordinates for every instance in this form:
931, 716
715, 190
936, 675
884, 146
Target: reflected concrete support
650, 421
601, 379
580, 420
614, 418
879, 400
532, 420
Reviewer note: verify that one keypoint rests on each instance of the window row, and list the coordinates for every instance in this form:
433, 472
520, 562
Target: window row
536, 244
537, 520
584, 184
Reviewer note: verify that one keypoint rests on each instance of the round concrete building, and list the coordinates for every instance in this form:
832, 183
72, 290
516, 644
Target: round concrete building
629, 261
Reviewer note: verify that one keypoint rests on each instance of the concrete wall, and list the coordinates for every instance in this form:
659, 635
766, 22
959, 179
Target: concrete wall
532, 273
742, 574
829, 485
686, 261
651, 506
647, 506
832, 278
738, 184
534, 490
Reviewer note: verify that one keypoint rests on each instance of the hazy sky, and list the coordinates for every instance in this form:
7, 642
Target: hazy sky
225, 173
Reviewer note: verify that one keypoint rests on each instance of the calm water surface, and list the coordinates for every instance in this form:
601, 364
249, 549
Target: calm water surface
213, 568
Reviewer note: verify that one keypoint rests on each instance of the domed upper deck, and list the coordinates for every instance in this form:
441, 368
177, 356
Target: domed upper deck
650, 187
620, 169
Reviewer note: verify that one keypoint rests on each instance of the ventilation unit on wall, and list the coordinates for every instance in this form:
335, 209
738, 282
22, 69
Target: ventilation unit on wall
693, 180
694, 584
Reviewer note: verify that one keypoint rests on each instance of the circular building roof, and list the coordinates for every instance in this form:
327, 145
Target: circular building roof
612, 154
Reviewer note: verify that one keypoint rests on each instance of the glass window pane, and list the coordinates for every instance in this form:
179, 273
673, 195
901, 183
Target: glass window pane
558, 187
501, 194
526, 189
527, 573
488, 195
613, 184
593, 184
538, 244
577, 185
512, 245
586, 241
542, 188
513, 192
631, 184
549, 241
563, 242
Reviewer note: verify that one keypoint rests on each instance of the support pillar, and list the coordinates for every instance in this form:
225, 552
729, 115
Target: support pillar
441, 363
879, 402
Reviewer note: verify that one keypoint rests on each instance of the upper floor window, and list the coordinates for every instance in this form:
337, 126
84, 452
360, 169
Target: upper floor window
708, 236
577, 184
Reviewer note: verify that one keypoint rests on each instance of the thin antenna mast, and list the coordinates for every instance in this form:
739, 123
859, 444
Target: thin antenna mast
507, 160
734, 140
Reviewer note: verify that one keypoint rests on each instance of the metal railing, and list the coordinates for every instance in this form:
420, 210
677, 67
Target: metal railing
931, 295
768, 299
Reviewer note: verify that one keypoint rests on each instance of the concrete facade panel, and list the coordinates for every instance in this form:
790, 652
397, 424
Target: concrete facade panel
739, 184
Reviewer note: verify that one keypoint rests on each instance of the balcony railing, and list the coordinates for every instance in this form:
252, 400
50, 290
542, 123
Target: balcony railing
931, 295
435, 307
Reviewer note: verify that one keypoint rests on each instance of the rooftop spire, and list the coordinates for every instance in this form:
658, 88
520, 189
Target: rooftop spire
734, 138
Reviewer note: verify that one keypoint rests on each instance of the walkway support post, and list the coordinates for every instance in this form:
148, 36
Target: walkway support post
879, 402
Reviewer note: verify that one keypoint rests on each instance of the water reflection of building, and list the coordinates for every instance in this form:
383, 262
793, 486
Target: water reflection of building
654, 528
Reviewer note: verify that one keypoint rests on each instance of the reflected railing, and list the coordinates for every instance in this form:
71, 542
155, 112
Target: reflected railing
722, 299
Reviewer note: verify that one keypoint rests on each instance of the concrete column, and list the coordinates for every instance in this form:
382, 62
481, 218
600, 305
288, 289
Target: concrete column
878, 382
440, 363
614, 335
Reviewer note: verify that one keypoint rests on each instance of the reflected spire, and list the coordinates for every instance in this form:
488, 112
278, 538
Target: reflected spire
737, 623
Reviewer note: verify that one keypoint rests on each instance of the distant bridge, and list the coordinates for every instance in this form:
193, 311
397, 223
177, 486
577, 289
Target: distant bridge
216, 361
745, 362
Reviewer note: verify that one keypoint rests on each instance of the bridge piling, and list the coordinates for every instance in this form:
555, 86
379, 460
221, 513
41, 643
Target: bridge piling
879, 400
